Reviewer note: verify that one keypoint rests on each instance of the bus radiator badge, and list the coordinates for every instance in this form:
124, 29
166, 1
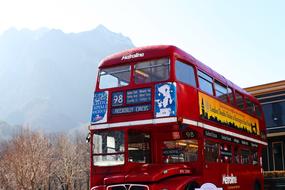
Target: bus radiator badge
208, 186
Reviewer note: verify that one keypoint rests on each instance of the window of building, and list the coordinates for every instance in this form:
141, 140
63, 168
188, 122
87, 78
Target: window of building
278, 157
152, 71
211, 150
180, 151
225, 153
274, 114
139, 147
221, 91
249, 106
239, 100
185, 73
205, 82
231, 96
265, 160
114, 77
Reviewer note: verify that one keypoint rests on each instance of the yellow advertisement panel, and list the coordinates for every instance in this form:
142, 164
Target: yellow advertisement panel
221, 113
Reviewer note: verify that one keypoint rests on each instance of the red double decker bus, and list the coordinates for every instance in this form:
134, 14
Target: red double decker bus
162, 120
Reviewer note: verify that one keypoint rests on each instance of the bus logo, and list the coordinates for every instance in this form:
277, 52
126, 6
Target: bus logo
229, 179
132, 56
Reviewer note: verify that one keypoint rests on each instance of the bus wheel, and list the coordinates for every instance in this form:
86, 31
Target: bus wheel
257, 186
192, 186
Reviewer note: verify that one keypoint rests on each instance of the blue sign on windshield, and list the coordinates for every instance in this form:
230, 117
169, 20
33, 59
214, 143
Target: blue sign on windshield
131, 109
100, 107
117, 99
165, 100
138, 96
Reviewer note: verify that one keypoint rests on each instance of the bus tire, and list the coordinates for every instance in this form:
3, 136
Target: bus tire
192, 186
257, 185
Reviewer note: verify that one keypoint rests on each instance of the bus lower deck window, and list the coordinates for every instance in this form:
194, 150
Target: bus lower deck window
139, 147
108, 148
254, 157
226, 153
180, 151
211, 150
245, 156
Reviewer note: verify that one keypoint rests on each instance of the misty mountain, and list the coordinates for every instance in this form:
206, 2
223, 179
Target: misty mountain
47, 76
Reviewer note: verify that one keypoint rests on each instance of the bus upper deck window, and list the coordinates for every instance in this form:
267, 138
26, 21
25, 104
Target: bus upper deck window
249, 106
239, 100
231, 96
257, 110
185, 73
152, 71
114, 77
221, 91
205, 82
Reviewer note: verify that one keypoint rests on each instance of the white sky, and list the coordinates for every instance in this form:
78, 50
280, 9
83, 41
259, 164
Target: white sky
242, 40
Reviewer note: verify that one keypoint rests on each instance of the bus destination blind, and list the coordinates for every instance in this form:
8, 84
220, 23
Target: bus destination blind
131, 101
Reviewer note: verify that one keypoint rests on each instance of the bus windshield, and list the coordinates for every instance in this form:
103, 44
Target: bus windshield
152, 71
144, 72
114, 77
108, 148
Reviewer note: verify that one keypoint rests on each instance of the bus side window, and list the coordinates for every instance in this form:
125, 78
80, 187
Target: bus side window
180, 150
205, 82
152, 71
236, 155
211, 150
185, 73
249, 106
139, 147
231, 96
245, 156
257, 110
239, 100
221, 91
254, 157
225, 153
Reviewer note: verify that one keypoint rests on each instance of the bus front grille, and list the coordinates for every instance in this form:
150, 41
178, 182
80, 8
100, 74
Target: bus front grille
128, 187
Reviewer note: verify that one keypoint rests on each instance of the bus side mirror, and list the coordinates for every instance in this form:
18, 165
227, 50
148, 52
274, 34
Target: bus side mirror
88, 137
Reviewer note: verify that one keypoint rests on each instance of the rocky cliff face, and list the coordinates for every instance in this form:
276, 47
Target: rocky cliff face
47, 76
